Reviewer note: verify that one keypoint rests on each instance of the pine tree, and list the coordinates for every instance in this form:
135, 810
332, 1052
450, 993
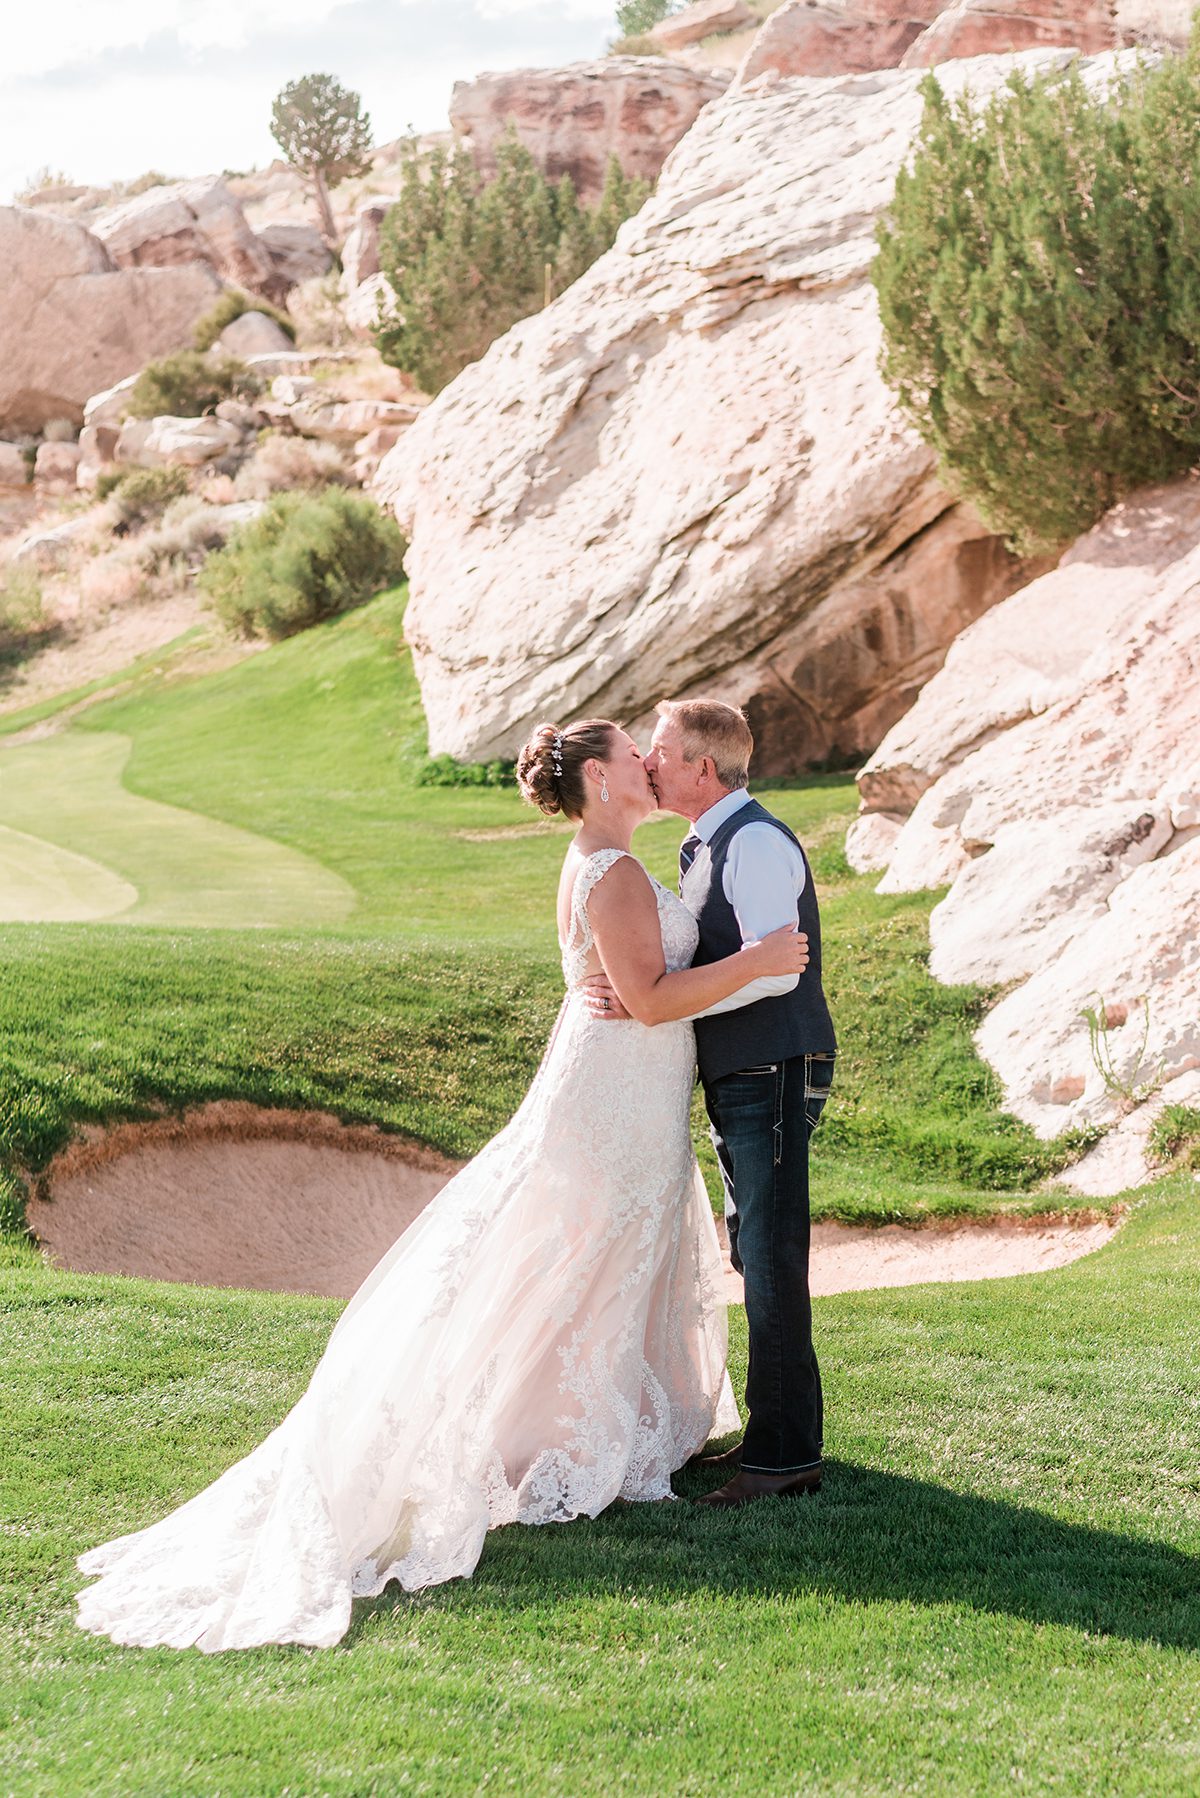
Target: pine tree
467, 259
636, 17
323, 131
1038, 279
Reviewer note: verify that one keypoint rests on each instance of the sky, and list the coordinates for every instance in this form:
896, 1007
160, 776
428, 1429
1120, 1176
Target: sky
102, 90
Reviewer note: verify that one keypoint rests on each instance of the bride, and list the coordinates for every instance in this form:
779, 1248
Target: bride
547, 1337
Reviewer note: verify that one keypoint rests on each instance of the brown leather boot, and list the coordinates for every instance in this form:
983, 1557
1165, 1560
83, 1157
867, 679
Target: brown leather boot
730, 1458
744, 1488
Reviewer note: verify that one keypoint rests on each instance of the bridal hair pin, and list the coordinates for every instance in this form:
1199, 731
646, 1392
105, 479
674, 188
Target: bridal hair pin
556, 748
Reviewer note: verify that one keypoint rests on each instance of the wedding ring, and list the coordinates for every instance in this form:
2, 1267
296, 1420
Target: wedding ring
604, 1005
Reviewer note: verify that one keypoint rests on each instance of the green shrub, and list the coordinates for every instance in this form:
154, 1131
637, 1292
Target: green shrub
304, 558
1175, 1137
108, 480
1039, 286
22, 615
141, 494
188, 384
467, 259
637, 17
232, 304
444, 771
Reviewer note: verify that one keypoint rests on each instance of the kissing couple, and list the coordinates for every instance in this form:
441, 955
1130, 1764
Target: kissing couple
549, 1335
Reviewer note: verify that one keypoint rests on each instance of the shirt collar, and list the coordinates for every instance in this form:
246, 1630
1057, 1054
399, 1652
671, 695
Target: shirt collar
709, 822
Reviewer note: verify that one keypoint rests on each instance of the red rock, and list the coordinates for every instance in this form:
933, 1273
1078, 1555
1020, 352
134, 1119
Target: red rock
702, 19
836, 37
983, 28
573, 119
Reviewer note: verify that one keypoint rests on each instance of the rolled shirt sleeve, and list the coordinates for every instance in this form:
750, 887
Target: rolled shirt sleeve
763, 878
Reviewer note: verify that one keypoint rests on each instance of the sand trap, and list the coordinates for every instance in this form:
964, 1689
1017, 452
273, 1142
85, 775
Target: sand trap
298, 1202
235, 1196
859, 1258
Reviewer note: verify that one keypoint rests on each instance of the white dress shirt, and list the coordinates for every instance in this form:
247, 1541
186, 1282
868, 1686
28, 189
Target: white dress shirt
762, 879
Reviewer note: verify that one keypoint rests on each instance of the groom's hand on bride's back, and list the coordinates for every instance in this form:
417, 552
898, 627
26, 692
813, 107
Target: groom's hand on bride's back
600, 997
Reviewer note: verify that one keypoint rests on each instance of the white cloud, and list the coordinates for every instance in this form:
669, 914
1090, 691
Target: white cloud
120, 86
37, 41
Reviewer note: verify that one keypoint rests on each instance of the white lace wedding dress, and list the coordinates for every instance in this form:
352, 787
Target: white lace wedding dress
549, 1335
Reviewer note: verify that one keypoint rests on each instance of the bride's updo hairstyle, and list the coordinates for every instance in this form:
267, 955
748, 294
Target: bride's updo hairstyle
550, 766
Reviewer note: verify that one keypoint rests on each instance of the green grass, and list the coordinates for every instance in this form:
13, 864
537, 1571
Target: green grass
998, 1588
292, 782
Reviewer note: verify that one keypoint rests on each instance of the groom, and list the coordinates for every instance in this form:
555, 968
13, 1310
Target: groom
766, 1059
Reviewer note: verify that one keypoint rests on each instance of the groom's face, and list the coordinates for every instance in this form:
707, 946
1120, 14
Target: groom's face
675, 781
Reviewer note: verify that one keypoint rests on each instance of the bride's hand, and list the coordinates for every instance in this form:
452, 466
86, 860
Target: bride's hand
782, 951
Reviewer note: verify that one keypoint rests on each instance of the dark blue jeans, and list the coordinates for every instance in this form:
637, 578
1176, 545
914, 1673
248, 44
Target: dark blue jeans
762, 1119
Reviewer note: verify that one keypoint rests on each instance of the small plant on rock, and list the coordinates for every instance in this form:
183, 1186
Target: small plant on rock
1126, 1089
1175, 1138
189, 384
304, 558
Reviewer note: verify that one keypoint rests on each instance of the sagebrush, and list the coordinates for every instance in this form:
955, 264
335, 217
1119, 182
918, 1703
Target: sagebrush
304, 558
189, 384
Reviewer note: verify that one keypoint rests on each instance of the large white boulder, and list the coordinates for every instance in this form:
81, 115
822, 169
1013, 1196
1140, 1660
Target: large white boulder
1051, 776
75, 324
254, 334
186, 442
687, 473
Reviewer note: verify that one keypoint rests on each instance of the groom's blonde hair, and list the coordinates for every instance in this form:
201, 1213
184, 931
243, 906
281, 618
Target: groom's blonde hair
708, 727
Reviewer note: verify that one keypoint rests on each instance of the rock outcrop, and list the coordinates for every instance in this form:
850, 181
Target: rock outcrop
687, 474
360, 252
983, 27
190, 221
836, 37
1050, 774
702, 19
573, 119
74, 323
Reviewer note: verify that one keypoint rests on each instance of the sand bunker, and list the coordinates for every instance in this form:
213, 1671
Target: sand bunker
298, 1202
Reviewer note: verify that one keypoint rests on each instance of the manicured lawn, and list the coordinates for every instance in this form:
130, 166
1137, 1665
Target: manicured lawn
999, 1587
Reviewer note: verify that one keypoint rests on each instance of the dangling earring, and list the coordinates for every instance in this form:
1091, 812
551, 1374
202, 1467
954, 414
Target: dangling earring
604, 789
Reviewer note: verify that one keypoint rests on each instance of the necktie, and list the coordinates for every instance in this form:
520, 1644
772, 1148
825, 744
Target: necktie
687, 853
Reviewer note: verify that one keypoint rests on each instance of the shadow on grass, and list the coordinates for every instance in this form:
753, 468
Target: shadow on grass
868, 1536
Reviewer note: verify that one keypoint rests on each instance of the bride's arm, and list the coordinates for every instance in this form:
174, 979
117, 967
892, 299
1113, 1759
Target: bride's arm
623, 914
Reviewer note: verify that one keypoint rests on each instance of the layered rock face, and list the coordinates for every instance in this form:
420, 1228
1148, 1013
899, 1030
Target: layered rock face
686, 474
1050, 775
74, 324
573, 119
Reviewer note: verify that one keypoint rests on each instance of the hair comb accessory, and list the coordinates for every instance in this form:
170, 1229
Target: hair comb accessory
556, 753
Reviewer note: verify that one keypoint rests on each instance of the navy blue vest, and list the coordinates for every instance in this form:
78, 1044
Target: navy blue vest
795, 1023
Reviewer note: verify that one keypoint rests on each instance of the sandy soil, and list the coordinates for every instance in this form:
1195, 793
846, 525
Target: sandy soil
298, 1202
